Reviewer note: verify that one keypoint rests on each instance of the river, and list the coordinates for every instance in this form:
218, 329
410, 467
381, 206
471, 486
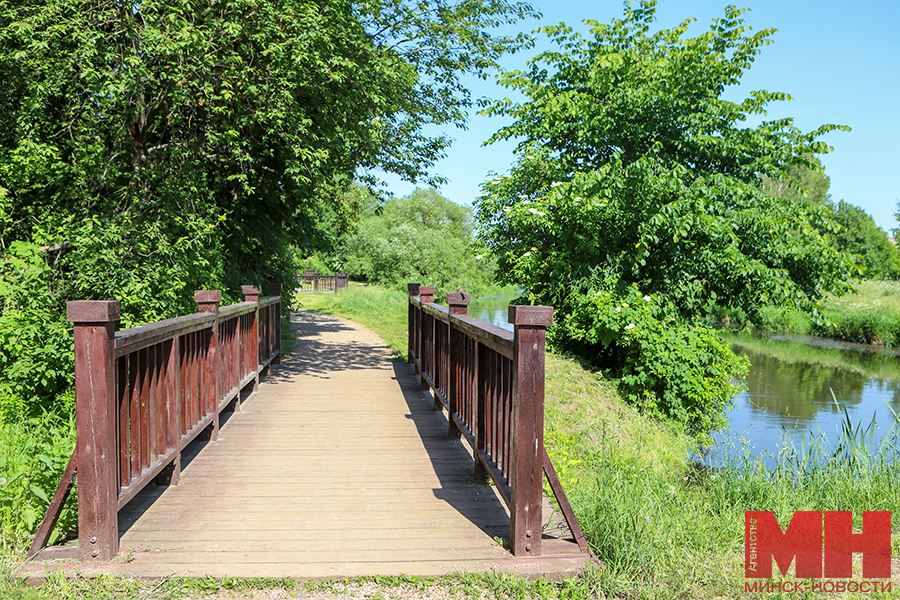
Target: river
793, 387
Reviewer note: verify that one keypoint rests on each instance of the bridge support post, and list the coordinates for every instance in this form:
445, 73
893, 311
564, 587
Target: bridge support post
412, 324
275, 290
459, 305
530, 324
95, 418
251, 294
208, 302
427, 343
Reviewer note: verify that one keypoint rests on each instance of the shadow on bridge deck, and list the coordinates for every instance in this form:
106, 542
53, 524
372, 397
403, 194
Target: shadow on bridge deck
336, 467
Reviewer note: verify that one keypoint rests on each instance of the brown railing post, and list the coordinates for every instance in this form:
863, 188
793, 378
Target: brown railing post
459, 305
426, 355
208, 302
251, 294
412, 323
95, 420
275, 290
531, 324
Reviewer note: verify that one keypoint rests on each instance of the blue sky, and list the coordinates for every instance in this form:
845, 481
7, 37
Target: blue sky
839, 60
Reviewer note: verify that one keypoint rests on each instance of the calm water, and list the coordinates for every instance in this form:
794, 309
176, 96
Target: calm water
791, 396
492, 310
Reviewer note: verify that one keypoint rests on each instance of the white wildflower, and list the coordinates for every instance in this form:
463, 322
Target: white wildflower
629, 326
526, 254
618, 308
479, 257
646, 298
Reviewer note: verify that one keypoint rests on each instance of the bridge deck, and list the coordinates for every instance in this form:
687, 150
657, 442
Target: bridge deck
336, 467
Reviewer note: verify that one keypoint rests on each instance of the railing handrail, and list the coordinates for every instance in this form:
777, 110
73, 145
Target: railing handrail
312, 281
142, 394
491, 382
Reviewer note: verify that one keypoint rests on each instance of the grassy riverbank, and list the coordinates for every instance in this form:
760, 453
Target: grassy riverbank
871, 315
884, 365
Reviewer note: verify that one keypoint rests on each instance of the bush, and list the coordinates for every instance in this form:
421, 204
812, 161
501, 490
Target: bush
33, 456
36, 359
668, 367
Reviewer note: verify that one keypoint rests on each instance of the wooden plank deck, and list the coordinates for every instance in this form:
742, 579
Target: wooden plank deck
336, 467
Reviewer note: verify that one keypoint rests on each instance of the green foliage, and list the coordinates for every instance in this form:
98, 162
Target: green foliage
784, 320
868, 243
803, 181
35, 342
869, 315
33, 455
423, 237
666, 368
632, 169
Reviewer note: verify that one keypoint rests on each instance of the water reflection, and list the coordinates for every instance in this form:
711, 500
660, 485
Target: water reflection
794, 395
493, 310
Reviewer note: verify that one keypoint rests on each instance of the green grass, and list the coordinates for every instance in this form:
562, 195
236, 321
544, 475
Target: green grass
381, 309
871, 315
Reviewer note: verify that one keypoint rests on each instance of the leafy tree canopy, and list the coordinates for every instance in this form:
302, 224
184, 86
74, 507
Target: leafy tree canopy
635, 177
860, 237
152, 148
803, 182
421, 237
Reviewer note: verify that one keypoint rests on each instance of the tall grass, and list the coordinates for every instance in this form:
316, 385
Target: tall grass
33, 455
871, 315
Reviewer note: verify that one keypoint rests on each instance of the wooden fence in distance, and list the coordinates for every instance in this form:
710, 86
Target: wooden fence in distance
311, 281
491, 382
143, 394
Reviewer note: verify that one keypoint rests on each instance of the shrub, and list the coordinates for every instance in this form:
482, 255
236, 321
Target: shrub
667, 366
33, 455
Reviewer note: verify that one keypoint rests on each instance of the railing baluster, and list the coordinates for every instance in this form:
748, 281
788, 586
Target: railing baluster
122, 416
134, 447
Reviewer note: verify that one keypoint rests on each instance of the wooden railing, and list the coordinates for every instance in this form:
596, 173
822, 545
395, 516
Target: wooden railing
311, 281
491, 382
143, 394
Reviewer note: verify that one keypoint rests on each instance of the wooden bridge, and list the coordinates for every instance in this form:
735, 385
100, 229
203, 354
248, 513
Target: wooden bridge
337, 464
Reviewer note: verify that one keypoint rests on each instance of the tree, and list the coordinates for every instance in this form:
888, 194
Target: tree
635, 204
868, 244
152, 148
807, 183
421, 237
